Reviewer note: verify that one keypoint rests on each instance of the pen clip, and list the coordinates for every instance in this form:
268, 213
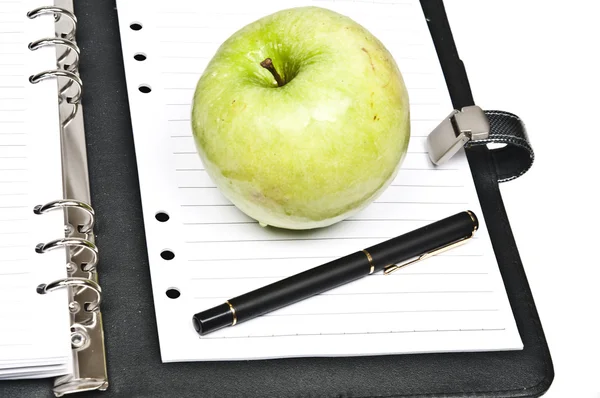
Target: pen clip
395, 267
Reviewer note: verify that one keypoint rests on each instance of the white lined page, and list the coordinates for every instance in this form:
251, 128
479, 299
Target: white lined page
34, 328
453, 302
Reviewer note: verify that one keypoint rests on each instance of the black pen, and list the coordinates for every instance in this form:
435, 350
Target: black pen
388, 256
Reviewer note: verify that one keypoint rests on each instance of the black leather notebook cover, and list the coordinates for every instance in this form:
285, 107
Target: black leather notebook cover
134, 365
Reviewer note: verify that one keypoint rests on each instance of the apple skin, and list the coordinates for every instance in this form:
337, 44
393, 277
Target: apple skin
321, 147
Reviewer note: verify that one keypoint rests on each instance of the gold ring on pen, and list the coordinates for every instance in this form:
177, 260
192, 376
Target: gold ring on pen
370, 261
232, 313
473, 219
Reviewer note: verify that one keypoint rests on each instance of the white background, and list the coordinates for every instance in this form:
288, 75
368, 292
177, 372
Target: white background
540, 60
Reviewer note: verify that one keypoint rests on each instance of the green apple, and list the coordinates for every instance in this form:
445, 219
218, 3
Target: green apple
301, 118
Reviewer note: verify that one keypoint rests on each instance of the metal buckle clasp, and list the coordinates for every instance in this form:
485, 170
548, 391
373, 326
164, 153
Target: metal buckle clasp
460, 127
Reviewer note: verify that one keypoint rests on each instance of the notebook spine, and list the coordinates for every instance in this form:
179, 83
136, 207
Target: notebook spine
84, 292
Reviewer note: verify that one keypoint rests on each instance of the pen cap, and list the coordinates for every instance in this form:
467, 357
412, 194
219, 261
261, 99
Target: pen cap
213, 319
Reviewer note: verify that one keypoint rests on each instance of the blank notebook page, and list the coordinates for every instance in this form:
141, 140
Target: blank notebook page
34, 328
453, 302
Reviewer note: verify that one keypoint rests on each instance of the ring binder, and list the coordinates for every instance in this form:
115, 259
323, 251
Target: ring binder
54, 41
73, 281
58, 13
68, 71
38, 77
84, 291
66, 203
73, 78
72, 242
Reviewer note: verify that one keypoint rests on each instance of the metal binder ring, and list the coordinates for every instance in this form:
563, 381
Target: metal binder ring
58, 13
70, 46
75, 282
64, 203
60, 73
72, 242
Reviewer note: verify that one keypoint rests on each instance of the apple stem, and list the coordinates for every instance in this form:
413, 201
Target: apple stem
268, 65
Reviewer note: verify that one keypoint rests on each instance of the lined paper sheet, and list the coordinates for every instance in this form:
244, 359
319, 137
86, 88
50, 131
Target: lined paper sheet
453, 302
34, 328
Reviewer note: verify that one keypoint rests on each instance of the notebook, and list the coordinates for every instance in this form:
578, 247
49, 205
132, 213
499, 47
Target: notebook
202, 250
50, 321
